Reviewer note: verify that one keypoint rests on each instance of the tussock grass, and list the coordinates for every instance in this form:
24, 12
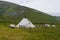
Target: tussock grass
42, 33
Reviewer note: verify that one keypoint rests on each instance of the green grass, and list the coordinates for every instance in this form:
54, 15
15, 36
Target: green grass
40, 33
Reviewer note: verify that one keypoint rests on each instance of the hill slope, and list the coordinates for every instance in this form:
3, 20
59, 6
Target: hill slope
13, 13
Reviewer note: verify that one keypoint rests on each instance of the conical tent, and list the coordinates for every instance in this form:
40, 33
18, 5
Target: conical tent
25, 23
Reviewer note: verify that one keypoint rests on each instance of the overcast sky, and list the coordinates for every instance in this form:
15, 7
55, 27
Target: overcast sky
51, 7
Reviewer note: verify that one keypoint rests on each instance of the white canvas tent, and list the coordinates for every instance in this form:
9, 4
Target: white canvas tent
25, 23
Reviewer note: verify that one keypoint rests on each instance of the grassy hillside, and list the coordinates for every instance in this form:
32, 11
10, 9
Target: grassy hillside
13, 13
42, 33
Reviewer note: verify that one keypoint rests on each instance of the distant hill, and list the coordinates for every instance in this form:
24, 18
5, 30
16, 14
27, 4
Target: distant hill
13, 13
58, 17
